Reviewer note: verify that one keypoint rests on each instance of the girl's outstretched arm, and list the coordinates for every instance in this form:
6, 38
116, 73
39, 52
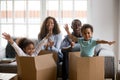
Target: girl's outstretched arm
13, 44
74, 39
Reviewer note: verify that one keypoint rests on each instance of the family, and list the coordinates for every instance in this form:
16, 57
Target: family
50, 38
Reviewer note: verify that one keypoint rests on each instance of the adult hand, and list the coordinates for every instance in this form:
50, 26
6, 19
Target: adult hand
49, 34
66, 28
72, 44
51, 43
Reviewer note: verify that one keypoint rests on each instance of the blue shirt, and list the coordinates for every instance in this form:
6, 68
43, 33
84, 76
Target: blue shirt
87, 47
57, 39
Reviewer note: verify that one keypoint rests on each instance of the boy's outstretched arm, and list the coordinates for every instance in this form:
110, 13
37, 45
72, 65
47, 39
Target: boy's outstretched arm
105, 42
74, 39
8, 37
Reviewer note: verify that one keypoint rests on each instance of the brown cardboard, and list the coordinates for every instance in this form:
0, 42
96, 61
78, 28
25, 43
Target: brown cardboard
41, 67
85, 68
55, 56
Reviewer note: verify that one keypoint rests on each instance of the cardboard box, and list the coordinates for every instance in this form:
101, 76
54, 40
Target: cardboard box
85, 68
55, 55
41, 67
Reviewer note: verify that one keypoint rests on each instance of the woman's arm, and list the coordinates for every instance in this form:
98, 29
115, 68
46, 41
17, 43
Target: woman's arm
42, 43
74, 39
57, 42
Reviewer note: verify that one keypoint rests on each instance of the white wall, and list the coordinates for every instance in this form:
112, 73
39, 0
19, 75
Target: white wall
119, 36
104, 16
119, 29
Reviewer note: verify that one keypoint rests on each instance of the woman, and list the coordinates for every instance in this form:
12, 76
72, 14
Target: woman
54, 41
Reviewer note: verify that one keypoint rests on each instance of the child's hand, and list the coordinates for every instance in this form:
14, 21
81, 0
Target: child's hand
112, 42
72, 44
7, 37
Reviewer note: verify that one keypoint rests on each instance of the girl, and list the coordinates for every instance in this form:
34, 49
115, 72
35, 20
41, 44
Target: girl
25, 46
87, 44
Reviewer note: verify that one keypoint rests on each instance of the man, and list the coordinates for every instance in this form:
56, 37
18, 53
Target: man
66, 46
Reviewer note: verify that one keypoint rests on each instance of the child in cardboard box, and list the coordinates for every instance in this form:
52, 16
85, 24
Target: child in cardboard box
25, 46
87, 43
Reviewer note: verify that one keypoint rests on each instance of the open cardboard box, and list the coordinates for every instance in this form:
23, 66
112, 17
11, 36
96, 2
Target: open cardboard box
85, 68
55, 55
41, 67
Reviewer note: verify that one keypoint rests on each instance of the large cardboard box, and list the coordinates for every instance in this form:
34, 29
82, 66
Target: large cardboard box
85, 68
41, 67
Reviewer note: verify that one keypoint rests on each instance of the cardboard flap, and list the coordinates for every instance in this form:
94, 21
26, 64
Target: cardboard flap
26, 65
92, 67
45, 67
73, 65
55, 56
44, 61
74, 54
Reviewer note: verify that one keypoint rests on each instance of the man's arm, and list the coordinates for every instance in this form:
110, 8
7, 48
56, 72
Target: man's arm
74, 39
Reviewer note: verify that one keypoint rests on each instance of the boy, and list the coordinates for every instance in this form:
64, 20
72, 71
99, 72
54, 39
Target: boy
87, 44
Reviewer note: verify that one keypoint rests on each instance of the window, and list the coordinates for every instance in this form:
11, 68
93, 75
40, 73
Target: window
22, 18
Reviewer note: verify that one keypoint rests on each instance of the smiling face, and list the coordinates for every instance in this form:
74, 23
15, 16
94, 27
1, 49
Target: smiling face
87, 31
29, 49
76, 26
87, 34
50, 24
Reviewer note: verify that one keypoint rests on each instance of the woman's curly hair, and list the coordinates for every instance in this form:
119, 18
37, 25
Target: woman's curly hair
43, 31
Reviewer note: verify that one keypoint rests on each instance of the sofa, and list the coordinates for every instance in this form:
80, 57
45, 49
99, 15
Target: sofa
103, 51
6, 67
109, 61
109, 67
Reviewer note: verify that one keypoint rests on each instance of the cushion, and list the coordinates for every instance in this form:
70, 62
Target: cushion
10, 51
103, 50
